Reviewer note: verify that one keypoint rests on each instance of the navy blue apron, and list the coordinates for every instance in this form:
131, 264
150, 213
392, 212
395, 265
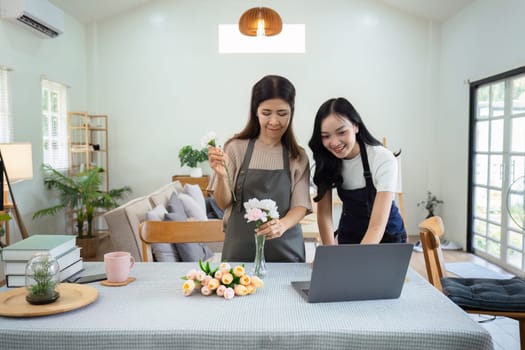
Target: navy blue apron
357, 209
239, 239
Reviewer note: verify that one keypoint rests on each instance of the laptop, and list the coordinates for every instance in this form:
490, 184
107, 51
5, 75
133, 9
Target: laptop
356, 272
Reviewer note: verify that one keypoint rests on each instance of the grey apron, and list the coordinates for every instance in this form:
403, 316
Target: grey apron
239, 240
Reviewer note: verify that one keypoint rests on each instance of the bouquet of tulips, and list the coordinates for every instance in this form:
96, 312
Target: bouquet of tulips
225, 281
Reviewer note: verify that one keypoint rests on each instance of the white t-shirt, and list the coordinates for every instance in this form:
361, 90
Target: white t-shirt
383, 166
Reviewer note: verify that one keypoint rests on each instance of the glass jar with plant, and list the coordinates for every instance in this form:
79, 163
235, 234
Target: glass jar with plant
192, 157
430, 204
81, 195
42, 277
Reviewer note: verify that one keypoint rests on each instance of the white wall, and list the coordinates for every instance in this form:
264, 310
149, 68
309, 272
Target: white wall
62, 59
483, 40
157, 73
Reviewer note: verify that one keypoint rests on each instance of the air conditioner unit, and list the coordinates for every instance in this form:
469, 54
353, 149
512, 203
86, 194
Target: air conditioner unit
39, 15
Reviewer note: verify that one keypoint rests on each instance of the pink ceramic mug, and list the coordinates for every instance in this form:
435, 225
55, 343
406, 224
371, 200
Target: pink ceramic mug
117, 265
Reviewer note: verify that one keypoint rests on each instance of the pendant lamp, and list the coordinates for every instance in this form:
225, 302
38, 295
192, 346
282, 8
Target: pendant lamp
260, 21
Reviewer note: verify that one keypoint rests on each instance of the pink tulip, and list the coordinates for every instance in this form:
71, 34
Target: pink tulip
218, 274
229, 293
250, 289
238, 271
257, 282
240, 290
227, 278
224, 267
188, 287
200, 275
213, 284
220, 290
245, 280
191, 274
205, 290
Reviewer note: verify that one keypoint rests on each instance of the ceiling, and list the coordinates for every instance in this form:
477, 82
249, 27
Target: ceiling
91, 10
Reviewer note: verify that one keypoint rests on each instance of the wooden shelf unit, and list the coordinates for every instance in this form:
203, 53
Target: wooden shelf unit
88, 148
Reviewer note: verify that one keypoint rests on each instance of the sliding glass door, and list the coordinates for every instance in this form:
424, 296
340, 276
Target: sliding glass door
497, 170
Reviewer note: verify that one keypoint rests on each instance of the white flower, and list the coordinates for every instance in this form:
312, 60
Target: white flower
260, 211
251, 204
209, 139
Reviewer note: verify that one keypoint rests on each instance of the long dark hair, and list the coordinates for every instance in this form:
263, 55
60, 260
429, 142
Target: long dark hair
271, 86
327, 166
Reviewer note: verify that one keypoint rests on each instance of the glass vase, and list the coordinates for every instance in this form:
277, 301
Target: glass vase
259, 264
42, 277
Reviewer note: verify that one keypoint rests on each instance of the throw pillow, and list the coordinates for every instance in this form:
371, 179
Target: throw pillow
161, 251
192, 209
176, 216
164, 252
175, 205
195, 192
156, 214
189, 251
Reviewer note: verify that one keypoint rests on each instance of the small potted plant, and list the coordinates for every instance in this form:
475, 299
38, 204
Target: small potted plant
192, 157
42, 277
430, 204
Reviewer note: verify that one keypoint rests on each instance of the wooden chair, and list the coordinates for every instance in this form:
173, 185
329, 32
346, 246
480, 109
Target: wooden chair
178, 232
430, 231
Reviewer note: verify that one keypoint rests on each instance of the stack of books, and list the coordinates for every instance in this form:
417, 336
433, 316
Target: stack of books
61, 247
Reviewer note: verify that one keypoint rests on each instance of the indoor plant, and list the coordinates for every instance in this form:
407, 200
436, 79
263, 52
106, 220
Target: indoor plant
430, 204
42, 277
192, 157
81, 194
4, 217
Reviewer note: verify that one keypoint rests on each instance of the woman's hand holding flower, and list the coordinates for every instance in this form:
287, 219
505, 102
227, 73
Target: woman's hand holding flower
217, 160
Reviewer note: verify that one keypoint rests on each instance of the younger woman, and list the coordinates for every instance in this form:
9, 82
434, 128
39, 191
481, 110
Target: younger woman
364, 173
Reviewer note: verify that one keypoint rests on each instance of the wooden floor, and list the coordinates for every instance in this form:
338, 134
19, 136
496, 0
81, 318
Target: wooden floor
417, 262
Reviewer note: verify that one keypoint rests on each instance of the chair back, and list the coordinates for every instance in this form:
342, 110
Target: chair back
178, 232
430, 230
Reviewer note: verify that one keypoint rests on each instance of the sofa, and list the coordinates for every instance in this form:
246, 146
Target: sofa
124, 221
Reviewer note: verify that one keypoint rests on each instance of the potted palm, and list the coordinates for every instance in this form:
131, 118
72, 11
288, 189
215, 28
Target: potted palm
192, 157
81, 194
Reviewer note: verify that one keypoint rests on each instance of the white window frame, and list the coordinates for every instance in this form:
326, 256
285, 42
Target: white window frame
495, 165
54, 125
6, 119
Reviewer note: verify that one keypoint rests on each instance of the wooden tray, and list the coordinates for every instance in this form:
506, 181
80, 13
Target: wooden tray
72, 296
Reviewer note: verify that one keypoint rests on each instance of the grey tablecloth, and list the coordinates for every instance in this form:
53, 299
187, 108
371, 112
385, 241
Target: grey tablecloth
152, 313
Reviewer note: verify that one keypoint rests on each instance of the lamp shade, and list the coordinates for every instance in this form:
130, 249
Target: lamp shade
260, 21
18, 160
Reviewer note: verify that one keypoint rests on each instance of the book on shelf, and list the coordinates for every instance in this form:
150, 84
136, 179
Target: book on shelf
67, 272
18, 267
55, 245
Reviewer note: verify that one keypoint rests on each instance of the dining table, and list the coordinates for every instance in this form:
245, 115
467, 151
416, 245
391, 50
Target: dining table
152, 313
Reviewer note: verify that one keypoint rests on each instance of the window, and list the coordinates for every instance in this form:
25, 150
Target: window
54, 124
6, 121
497, 170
